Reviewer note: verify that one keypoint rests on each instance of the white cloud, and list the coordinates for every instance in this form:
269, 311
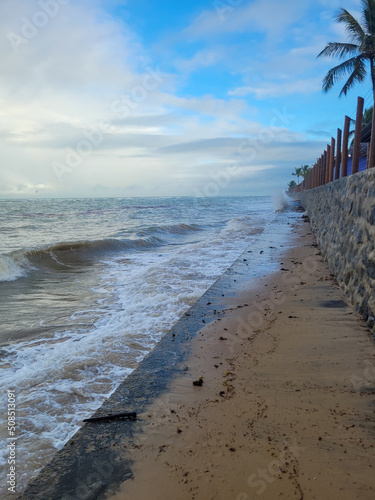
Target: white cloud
271, 16
275, 89
201, 59
85, 70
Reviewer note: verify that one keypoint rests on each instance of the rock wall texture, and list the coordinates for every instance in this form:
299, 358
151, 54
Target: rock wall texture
342, 216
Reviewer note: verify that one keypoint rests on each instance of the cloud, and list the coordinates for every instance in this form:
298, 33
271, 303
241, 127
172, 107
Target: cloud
278, 89
318, 133
202, 59
249, 16
212, 146
87, 74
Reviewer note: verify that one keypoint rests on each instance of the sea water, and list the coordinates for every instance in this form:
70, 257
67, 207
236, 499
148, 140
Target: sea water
88, 287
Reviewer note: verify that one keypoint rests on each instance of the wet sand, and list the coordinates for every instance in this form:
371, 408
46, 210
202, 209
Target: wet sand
287, 404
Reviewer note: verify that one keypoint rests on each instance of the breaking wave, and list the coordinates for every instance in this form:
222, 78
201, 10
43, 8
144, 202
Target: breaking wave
17, 264
70, 254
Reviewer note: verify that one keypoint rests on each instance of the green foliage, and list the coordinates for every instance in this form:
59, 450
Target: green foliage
366, 119
305, 169
360, 49
301, 171
297, 172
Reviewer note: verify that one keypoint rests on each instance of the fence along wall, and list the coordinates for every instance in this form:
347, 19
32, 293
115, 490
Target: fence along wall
337, 160
342, 216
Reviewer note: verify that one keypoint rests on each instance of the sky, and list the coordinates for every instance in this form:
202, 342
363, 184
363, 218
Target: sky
163, 98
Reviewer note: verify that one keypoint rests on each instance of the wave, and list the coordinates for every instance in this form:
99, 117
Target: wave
13, 267
242, 227
62, 255
175, 229
96, 211
18, 264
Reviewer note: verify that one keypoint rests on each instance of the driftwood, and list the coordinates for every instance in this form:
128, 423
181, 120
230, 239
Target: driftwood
129, 415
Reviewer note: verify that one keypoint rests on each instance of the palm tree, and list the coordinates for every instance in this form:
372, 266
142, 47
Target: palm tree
361, 52
305, 169
361, 48
366, 119
298, 173
291, 185
367, 116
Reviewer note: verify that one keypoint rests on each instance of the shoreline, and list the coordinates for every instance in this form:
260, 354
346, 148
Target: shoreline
96, 452
286, 408
211, 441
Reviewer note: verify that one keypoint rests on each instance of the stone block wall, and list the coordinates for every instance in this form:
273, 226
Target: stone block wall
342, 216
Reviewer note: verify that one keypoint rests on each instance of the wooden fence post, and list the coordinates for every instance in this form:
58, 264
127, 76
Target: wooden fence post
368, 155
371, 156
338, 154
328, 163
319, 172
332, 159
324, 168
313, 176
357, 135
345, 140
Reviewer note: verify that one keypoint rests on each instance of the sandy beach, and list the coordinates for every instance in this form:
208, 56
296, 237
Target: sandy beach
284, 401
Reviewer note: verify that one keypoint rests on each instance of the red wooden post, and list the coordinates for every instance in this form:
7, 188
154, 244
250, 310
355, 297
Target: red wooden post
371, 156
328, 163
324, 168
314, 175
345, 140
338, 154
357, 135
317, 175
332, 159
321, 169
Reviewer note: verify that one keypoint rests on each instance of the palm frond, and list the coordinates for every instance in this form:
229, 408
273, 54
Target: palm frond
352, 26
358, 75
338, 49
360, 49
368, 8
367, 116
335, 74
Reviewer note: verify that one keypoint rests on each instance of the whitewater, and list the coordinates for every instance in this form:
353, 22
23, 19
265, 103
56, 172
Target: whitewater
88, 287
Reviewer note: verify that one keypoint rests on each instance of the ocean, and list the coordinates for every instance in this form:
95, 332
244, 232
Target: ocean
87, 289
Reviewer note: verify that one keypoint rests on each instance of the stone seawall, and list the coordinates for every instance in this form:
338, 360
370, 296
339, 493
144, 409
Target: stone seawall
342, 216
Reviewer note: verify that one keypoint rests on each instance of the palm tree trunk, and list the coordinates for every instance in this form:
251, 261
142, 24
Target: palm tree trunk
371, 157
